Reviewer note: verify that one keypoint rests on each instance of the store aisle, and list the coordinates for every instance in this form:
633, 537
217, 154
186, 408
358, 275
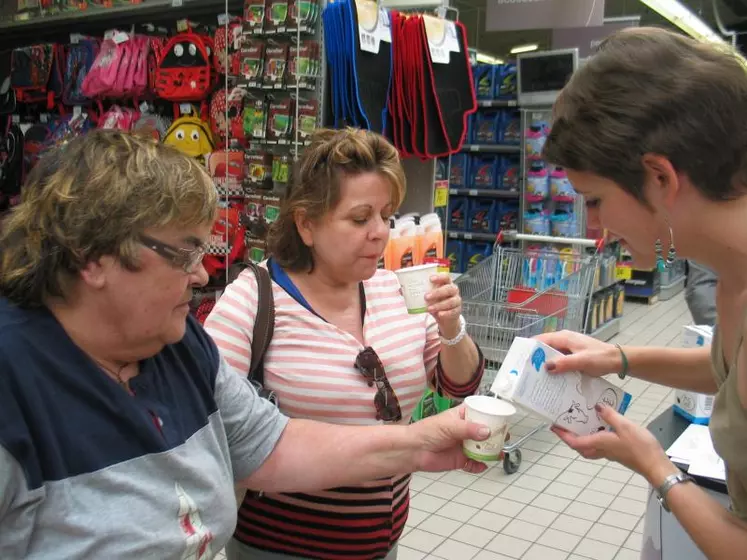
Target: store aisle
558, 506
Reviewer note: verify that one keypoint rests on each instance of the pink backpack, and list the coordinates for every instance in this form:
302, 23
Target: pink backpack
102, 76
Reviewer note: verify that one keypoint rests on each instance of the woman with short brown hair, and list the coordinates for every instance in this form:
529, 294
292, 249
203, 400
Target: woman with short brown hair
333, 310
653, 133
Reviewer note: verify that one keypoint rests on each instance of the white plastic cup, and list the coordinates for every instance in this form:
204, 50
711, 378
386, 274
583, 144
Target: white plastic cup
416, 282
493, 413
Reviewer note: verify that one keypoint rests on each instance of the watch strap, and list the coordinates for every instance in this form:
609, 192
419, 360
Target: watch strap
670, 482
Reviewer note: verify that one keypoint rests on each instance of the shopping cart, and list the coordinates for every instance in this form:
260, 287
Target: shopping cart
525, 292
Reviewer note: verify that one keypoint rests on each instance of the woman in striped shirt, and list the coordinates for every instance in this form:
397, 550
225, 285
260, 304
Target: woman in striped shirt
338, 318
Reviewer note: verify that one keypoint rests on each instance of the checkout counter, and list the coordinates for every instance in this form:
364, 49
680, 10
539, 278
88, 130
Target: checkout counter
663, 536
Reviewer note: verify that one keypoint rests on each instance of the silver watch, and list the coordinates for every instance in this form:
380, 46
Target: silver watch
458, 338
670, 482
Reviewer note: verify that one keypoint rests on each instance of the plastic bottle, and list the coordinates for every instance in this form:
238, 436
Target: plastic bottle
537, 182
404, 244
431, 242
560, 187
535, 140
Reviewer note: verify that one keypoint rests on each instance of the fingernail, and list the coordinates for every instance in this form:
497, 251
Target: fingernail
484, 432
598, 407
550, 366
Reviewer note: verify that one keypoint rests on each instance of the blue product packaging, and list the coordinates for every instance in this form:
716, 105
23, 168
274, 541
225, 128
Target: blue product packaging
482, 216
505, 82
509, 172
475, 253
458, 213
487, 127
459, 172
507, 216
510, 128
484, 75
563, 224
537, 222
484, 171
455, 254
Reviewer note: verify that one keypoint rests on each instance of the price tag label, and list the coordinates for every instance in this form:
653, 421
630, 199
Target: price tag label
177, 3
223, 19
453, 192
144, 108
441, 194
44, 118
439, 54
109, 34
373, 26
623, 272
77, 111
473, 192
120, 37
16, 119
185, 109
182, 24
474, 148
468, 236
75, 38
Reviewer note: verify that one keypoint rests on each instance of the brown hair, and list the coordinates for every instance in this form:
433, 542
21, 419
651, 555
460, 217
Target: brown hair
315, 186
648, 90
92, 197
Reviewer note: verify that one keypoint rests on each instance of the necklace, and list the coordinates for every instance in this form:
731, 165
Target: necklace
117, 375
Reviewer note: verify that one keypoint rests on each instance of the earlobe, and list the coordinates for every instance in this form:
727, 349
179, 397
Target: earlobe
94, 274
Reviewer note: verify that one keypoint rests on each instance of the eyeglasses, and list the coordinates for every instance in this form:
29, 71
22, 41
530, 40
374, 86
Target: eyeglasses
186, 259
385, 401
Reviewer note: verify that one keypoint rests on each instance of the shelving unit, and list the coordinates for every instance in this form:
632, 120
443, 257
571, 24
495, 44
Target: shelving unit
491, 148
485, 193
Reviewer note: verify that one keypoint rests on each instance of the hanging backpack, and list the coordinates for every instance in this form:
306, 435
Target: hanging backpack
191, 136
7, 94
35, 141
156, 125
220, 106
227, 52
31, 72
119, 118
184, 68
11, 161
156, 47
80, 59
231, 233
102, 76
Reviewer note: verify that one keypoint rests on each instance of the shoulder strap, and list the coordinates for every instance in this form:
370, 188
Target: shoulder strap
264, 324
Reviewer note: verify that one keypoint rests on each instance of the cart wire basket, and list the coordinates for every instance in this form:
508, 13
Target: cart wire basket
525, 292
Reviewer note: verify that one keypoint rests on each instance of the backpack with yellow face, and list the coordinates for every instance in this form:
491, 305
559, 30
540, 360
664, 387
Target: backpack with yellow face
190, 135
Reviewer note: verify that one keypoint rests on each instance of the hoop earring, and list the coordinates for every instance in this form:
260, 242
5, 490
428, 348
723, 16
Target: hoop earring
661, 263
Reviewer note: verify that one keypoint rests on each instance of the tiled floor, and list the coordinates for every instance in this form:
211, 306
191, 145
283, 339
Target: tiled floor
558, 506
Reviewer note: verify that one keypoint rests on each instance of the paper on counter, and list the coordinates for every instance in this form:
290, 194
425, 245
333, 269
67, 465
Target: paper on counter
695, 448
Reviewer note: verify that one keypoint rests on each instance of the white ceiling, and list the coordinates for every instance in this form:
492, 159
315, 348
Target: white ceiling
472, 14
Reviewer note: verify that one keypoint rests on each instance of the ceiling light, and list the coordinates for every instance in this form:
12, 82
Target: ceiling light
524, 48
488, 59
676, 12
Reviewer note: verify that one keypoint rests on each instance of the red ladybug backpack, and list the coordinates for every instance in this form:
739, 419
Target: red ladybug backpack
227, 229
184, 68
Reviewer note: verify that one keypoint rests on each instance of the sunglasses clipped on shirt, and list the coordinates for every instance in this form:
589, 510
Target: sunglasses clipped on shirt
186, 259
385, 400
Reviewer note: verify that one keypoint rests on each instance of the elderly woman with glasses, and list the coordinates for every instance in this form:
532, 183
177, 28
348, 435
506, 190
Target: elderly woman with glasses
122, 430
345, 350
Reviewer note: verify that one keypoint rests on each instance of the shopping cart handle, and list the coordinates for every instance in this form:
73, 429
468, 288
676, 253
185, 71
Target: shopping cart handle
513, 235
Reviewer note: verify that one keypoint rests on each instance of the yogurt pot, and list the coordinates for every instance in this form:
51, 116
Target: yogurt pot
493, 413
416, 283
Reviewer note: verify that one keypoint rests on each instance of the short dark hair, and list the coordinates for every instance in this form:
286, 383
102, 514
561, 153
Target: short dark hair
648, 90
315, 186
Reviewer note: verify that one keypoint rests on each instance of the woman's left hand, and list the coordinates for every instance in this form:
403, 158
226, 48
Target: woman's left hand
629, 444
445, 304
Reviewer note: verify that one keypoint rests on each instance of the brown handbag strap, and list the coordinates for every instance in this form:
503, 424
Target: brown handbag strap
264, 323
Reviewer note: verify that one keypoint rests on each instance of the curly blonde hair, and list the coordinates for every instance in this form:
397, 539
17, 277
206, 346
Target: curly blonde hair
315, 186
90, 198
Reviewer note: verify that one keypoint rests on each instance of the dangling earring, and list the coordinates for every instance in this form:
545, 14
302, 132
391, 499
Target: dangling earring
661, 263
672, 253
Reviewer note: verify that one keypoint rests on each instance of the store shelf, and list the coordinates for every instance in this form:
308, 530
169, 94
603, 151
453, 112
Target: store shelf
608, 330
671, 290
38, 28
602, 288
467, 236
498, 103
484, 193
492, 148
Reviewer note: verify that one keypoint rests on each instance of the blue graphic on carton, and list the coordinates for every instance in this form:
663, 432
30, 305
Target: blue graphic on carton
538, 358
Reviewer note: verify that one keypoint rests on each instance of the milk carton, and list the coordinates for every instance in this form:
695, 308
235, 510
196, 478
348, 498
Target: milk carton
567, 400
695, 407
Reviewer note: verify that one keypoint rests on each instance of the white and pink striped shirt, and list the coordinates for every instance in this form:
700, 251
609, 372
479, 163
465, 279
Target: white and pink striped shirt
310, 366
